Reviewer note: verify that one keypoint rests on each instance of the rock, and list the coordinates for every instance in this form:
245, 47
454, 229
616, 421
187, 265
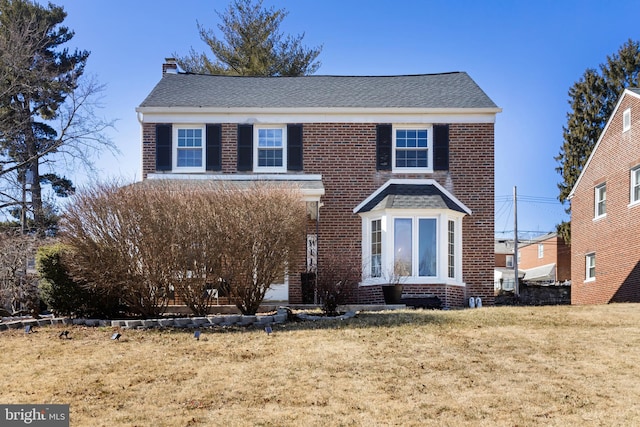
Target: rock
247, 320
131, 324
264, 320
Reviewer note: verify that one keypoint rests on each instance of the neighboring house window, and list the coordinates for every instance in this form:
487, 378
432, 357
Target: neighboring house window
376, 248
540, 250
601, 200
189, 148
590, 263
519, 256
412, 149
626, 120
509, 261
451, 237
270, 149
635, 184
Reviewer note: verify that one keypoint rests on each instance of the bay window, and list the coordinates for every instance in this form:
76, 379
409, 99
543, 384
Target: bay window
420, 246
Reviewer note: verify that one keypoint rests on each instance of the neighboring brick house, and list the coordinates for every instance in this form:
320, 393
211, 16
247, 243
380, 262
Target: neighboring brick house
545, 259
605, 212
388, 166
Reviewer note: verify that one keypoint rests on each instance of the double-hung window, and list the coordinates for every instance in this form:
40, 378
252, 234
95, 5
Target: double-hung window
189, 148
270, 149
590, 267
635, 185
540, 250
600, 200
509, 261
626, 120
412, 149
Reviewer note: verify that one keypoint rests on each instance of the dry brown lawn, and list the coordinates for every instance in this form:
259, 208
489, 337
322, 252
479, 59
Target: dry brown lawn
509, 366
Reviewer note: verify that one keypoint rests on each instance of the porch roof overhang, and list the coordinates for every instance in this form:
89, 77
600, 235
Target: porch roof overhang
310, 186
544, 273
411, 194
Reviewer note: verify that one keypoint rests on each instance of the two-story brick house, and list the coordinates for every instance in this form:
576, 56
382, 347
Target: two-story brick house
605, 212
394, 169
545, 259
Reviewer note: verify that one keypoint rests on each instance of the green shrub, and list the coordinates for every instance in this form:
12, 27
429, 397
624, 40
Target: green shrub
65, 296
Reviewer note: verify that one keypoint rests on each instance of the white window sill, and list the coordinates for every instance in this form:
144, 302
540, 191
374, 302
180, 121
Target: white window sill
632, 204
412, 170
270, 170
592, 279
598, 218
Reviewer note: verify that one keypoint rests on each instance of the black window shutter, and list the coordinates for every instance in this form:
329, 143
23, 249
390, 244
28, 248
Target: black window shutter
441, 147
214, 147
163, 147
383, 147
245, 147
294, 147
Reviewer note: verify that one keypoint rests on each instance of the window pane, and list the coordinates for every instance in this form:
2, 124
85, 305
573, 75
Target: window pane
601, 200
270, 157
591, 266
376, 248
189, 137
427, 247
451, 263
269, 137
635, 183
189, 158
402, 248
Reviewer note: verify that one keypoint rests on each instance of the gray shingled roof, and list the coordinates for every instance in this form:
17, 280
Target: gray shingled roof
411, 196
447, 90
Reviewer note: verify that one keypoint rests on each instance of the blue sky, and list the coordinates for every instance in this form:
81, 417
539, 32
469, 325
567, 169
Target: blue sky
524, 54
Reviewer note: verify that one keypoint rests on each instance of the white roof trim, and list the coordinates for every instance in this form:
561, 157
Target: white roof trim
309, 194
412, 182
317, 110
302, 115
604, 131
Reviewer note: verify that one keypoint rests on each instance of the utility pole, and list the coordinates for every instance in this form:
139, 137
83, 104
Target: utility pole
516, 287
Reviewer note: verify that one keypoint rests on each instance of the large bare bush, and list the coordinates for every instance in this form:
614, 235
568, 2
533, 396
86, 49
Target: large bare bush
116, 236
264, 230
151, 239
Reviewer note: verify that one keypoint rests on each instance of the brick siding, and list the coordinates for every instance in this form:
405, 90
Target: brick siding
614, 238
345, 155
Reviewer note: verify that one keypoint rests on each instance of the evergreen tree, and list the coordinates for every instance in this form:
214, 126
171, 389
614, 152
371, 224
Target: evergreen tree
43, 104
592, 100
251, 44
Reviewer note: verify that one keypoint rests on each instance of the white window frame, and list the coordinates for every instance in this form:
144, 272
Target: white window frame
429, 148
256, 148
540, 250
600, 198
387, 219
508, 262
175, 148
634, 182
626, 120
590, 264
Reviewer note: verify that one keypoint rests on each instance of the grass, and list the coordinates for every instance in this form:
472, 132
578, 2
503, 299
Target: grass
495, 366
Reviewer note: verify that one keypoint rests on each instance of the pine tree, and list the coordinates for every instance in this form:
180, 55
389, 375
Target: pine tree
251, 44
592, 100
43, 104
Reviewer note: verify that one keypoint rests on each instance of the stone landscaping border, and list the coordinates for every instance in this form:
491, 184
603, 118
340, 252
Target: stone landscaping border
281, 316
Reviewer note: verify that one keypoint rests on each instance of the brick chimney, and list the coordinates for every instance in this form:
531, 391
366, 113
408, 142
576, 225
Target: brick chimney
170, 66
